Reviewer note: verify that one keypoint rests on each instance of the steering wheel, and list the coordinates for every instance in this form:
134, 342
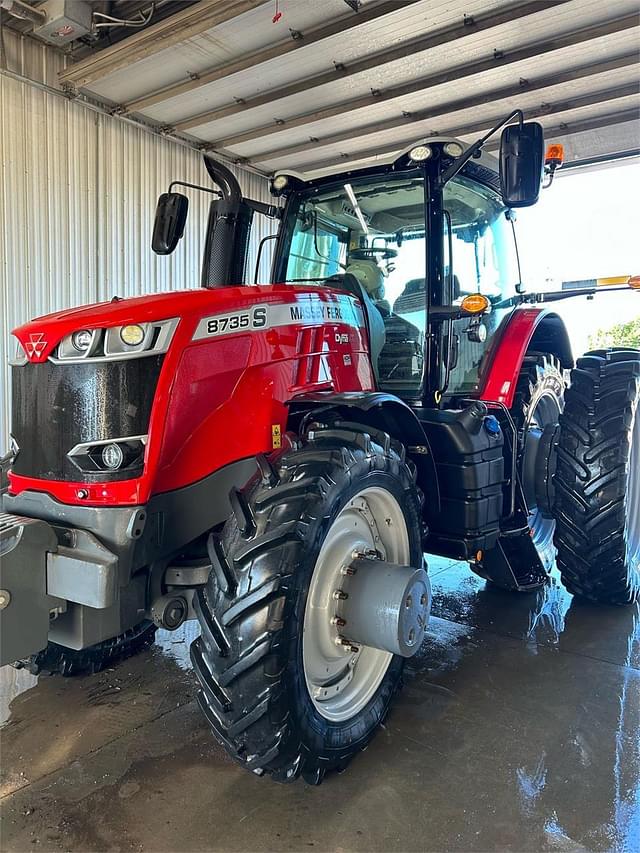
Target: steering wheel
373, 253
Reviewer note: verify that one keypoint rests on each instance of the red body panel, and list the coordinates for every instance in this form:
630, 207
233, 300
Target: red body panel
220, 398
504, 360
223, 398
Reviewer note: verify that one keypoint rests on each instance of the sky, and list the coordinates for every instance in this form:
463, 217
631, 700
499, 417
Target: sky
585, 225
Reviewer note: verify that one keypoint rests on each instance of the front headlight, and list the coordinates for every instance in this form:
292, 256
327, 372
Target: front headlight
132, 335
111, 454
82, 340
131, 338
116, 342
79, 344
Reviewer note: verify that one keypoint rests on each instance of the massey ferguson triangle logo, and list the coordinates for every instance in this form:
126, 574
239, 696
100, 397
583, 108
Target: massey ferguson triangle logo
36, 345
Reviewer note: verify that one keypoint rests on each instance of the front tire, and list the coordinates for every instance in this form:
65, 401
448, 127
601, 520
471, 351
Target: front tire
264, 642
597, 482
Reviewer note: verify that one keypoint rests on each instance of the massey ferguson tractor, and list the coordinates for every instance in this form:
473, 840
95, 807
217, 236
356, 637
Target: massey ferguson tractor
275, 460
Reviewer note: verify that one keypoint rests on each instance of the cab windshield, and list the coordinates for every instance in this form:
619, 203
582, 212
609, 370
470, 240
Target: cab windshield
369, 238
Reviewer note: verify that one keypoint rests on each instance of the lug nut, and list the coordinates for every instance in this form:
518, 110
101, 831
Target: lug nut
340, 623
340, 595
347, 570
367, 554
347, 644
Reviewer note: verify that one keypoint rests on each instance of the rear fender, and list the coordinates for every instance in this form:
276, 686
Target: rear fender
379, 411
525, 330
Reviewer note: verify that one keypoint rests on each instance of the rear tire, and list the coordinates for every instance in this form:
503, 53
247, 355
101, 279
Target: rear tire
597, 504
250, 658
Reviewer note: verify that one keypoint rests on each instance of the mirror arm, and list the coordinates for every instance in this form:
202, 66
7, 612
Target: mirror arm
193, 187
589, 292
270, 210
476, 146
557, 295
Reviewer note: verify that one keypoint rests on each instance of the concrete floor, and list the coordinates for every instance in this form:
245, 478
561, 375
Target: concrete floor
518, 729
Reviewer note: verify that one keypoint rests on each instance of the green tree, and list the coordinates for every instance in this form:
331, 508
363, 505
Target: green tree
621, 335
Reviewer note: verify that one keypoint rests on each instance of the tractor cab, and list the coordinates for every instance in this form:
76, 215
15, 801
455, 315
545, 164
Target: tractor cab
412, 249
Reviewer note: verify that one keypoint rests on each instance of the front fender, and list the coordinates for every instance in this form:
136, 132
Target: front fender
384, 412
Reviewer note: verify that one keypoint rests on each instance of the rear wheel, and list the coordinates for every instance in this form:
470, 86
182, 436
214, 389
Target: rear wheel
284, 687
597, 484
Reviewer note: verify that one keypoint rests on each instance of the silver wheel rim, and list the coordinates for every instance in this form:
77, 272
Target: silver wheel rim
341, 681
546, 411
633, 495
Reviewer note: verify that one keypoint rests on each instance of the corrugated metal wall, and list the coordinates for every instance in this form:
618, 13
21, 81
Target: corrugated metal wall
77, 198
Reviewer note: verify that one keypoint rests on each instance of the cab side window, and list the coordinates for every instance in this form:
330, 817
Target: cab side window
483, 249
318, 250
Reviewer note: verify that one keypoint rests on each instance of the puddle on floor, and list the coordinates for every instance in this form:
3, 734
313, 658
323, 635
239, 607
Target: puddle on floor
176, 644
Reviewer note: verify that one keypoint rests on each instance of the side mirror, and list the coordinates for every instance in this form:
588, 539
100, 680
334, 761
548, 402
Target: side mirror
521, 163
168, 226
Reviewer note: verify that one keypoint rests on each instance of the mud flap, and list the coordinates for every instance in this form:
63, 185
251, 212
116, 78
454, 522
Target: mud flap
513, 564
24, 603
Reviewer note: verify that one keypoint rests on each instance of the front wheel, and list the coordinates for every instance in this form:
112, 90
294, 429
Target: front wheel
597, 482
286, 686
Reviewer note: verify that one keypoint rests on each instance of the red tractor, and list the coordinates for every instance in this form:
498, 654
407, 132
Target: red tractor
274, 460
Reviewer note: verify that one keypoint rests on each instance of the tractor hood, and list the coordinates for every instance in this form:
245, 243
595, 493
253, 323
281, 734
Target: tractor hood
40, 337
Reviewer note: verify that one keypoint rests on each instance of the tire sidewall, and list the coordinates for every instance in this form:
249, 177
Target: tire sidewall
311, 731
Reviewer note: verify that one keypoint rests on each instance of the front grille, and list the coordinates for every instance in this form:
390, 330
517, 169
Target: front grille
57, 406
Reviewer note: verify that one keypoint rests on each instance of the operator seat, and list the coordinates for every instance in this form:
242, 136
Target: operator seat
412, 297
373, 318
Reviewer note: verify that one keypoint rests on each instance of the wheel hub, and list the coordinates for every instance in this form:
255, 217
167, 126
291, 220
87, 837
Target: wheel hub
387, 606
538, 462
365, 604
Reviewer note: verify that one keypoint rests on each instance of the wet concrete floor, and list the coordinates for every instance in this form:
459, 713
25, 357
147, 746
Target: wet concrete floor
518, 729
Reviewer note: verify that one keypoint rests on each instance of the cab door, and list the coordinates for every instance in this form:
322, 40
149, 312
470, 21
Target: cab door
480, 257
